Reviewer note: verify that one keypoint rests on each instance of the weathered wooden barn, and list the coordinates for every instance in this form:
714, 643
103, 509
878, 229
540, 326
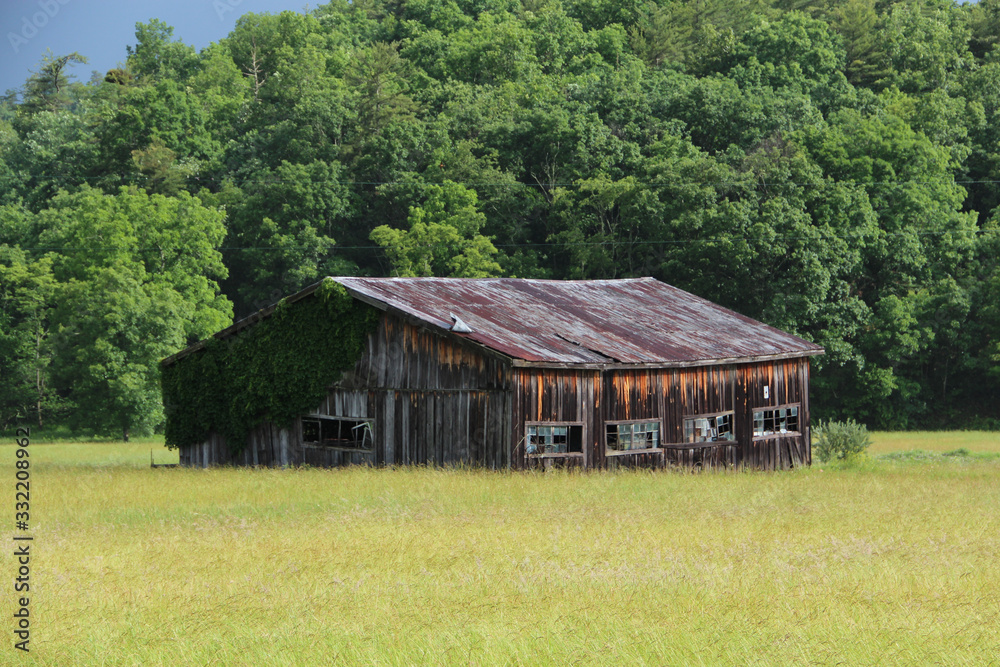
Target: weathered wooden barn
509, 373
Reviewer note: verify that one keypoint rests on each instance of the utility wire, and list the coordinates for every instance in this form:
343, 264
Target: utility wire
556, 184
783, 237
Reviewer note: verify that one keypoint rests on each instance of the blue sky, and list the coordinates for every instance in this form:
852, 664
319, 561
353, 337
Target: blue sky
101, 29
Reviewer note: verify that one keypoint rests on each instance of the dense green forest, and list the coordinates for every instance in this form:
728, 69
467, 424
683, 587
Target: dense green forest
831, 168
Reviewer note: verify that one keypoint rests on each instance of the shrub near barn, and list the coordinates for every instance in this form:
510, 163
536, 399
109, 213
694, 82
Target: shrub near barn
840, 441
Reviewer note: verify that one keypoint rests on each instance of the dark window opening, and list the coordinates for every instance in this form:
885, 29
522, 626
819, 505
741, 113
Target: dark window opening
776, 420
566, 439
637, 435
337, 432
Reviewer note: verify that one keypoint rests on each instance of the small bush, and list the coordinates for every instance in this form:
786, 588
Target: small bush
840, 440
911, 455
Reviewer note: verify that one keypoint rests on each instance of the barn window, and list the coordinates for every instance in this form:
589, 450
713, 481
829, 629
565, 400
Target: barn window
628, 436
784, 419
338, 432
716, 427
557, 439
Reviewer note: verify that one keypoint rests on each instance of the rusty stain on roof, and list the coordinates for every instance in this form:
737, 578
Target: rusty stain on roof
631, 321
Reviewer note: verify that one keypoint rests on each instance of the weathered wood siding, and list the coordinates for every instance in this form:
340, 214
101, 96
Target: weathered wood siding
434, 399
670, 395
788, 383
556, 395
403, 356
595, 398
700, 391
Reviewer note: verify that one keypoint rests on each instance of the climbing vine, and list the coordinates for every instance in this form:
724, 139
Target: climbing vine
272, 371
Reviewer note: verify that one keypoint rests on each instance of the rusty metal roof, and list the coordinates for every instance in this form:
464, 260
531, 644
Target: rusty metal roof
634, 321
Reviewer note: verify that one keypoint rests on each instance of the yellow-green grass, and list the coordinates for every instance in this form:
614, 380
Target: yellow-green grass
90, 454
885, 563
935, 441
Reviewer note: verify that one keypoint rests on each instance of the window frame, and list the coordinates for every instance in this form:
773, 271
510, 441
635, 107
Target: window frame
764, 435
367, 442
731, 440
554, 455
658, 449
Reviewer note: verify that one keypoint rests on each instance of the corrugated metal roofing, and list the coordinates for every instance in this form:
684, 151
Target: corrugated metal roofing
634, 321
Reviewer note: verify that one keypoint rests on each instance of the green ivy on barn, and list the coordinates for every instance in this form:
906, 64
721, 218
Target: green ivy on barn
271, 371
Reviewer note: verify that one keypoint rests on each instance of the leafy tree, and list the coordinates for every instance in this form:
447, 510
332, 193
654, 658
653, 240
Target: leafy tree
606, 226
26, 290
163, 174
981, 93
282, 232
222, 91
719, 112
496, 48
925, 48
48, 89
594, 14
858, 24
162, 115
156, 56
11, 182
136, 280
658, 36
57, 152
924, 239
380, 89
794, 51
261, 45
443, 238
984, 25
300, 117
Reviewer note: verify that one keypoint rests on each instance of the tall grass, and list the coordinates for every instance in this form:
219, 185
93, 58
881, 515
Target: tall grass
935, 441
890, 563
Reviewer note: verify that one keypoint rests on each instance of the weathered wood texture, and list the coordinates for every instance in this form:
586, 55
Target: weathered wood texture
434, 399
402, 355
555, 395
713, 456
787, 383
595, 398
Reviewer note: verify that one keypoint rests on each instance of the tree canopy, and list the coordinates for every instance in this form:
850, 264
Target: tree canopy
828, 167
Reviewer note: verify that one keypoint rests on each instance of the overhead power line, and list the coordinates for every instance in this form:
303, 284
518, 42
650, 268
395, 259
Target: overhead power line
559, 244
555, 184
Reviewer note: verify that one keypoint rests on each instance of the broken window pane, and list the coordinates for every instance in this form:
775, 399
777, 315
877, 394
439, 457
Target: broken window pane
625, 437
554, 439
709, 428
793, 419
776, 420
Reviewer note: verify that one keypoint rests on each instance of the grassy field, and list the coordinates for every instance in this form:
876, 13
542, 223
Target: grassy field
935, 441
891, 561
